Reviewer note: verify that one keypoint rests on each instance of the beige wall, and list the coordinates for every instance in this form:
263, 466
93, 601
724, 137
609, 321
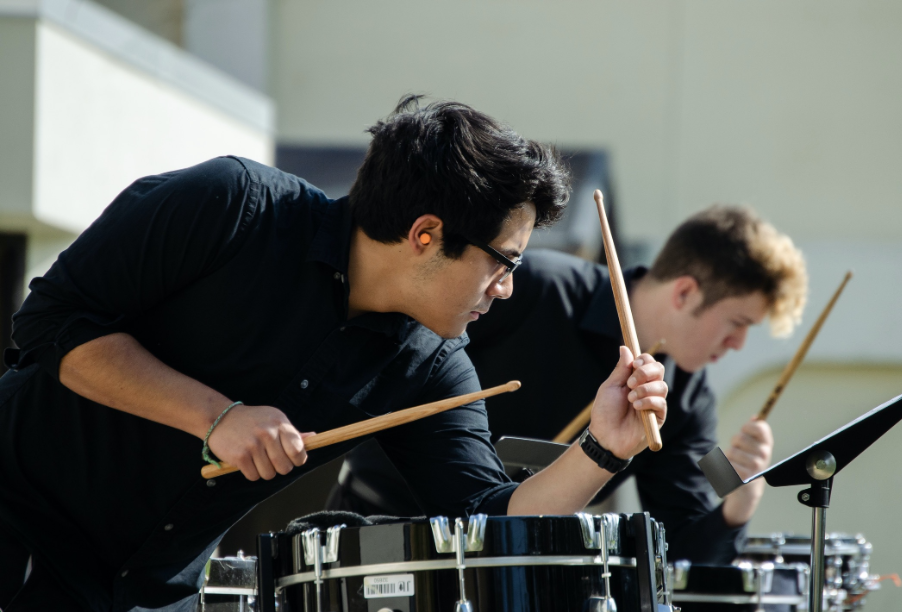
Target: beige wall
790, 107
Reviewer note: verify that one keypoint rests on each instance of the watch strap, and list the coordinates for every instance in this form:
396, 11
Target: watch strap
600, 455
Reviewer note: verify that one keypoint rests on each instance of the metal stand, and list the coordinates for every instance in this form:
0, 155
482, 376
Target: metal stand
821, 466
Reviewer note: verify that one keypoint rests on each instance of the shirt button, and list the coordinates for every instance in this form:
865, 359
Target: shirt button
169, 527
304, 384
342, 328
124, 573
211, 482
337, 276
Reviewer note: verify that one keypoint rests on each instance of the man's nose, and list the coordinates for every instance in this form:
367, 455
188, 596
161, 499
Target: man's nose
501, 289
736, 340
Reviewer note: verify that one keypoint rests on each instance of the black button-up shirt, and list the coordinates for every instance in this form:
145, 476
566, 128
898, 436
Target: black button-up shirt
562, 325
234, 274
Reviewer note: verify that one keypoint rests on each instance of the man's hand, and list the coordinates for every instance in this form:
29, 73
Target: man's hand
632, 387
750, 454
258, 440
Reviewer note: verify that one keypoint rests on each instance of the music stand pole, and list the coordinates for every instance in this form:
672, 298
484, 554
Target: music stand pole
821, 466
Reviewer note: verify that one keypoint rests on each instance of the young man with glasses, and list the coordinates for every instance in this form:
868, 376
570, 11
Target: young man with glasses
230, 307
720, 272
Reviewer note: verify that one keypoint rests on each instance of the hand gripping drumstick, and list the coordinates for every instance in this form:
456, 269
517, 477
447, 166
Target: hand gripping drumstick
627, 327
386, 421
800, 353
580, 421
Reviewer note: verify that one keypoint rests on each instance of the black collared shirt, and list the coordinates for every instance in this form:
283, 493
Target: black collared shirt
560, 335
234, 274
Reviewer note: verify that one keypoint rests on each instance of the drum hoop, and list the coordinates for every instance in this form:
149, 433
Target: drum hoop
800, 550
738, 599
439, 564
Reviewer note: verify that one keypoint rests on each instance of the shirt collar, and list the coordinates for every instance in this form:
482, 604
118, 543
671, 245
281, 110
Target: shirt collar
332, 246
601, 317
332, 242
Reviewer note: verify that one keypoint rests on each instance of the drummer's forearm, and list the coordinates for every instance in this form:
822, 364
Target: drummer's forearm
118, 372
564, 487
740, 505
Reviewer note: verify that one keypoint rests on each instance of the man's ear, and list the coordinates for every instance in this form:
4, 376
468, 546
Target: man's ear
425, 233
686, 293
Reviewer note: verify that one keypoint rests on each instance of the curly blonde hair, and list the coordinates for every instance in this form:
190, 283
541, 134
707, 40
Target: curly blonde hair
731, 252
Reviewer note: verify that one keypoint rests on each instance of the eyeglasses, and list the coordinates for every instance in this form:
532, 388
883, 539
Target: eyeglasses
511, 265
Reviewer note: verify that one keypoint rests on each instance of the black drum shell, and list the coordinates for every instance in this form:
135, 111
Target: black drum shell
517, 588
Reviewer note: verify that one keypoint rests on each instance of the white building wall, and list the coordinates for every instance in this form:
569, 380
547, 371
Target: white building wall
89, 102
101, 123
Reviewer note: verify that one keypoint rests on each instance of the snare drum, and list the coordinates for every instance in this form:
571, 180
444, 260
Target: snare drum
745, 586
580, 563
846, 563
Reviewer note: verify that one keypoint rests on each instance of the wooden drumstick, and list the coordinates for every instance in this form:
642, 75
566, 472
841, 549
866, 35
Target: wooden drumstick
800, 353
385, 421
627, 327
580, 421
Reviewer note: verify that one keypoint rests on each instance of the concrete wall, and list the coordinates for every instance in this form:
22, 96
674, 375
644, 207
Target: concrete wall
118, 125
89, 102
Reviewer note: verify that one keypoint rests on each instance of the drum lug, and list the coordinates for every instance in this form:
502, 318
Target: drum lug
446, 543
316, 554
472, 540
311, 543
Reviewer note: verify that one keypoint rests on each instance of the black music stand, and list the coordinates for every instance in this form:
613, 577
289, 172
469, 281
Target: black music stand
535, 455
815, 466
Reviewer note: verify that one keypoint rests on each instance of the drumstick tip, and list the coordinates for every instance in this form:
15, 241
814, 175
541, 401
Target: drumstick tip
514, 385
599, 197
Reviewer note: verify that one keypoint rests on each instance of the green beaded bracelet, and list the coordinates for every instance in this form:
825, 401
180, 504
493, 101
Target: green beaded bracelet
208, 457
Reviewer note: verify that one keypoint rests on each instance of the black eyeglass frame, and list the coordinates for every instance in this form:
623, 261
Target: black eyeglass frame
510, 264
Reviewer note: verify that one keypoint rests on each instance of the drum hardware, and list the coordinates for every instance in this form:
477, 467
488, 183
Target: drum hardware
815, 466
662, 576
598, 540
473, 539
316, 553
847, 563
752, 586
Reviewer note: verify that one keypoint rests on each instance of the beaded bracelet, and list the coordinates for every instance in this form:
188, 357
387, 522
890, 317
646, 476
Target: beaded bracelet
208, 457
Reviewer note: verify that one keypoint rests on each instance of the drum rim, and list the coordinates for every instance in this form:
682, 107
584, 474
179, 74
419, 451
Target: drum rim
451, 564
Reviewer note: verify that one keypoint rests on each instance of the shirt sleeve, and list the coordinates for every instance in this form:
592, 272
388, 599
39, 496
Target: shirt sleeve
159, 235
673, 489
447, 459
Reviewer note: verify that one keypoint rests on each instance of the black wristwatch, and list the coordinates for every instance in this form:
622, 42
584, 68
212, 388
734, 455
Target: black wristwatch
600, 455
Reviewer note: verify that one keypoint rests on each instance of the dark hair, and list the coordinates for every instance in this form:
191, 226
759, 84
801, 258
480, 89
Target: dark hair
731, 252
461, 165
